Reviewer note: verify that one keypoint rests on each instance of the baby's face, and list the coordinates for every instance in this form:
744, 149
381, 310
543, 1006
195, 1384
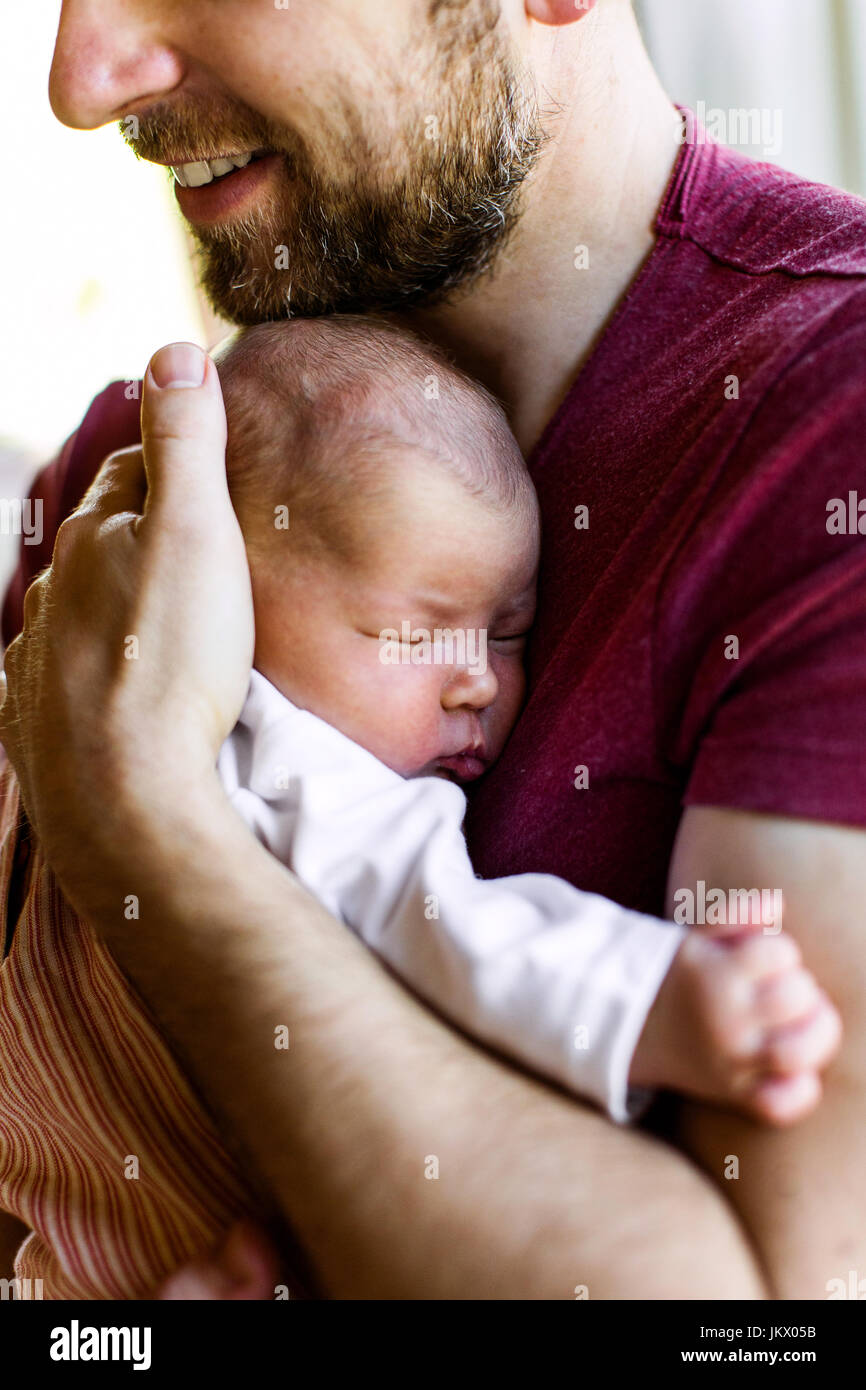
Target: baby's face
349, 645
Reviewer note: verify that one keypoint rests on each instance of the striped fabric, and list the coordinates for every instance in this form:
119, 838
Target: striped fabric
105, 1152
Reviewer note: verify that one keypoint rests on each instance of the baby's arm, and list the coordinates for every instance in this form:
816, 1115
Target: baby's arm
562, 980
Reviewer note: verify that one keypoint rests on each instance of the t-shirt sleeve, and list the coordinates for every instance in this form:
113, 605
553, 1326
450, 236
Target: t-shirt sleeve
774, 718
111, 423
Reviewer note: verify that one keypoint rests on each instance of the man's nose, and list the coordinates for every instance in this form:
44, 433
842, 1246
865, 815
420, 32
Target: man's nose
110, 60
465, 687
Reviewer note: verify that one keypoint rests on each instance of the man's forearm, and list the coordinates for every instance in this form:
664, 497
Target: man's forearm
409, 1163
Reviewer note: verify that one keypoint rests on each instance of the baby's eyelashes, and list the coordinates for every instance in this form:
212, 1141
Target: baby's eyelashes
392, 635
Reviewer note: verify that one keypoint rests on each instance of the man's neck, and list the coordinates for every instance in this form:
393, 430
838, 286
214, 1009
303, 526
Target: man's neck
528, 325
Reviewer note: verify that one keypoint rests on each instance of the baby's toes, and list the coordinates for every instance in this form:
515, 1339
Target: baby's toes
788, 998
782, 1100
807, 1045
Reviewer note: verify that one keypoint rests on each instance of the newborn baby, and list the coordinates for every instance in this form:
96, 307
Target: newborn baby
392, 535
377, 487
383, 500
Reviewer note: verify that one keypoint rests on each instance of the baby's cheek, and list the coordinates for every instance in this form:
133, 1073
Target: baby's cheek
402, 714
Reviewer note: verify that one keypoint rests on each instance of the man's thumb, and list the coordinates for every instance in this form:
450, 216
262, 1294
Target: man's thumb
183, 430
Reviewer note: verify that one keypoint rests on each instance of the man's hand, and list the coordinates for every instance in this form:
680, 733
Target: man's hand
137, 643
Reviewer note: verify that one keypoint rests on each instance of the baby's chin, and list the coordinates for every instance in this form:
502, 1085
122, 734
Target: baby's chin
443, 773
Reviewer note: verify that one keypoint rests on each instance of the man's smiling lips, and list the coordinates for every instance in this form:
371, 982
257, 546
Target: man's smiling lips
198, 172
211, 188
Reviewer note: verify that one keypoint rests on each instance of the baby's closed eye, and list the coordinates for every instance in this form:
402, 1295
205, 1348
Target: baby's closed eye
509, 639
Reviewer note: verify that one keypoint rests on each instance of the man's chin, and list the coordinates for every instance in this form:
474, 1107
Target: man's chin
241, 287
298, 256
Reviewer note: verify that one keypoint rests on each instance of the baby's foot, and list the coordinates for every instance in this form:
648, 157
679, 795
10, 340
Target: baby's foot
739, 1020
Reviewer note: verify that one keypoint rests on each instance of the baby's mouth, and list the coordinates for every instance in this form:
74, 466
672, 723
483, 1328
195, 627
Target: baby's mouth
462, 767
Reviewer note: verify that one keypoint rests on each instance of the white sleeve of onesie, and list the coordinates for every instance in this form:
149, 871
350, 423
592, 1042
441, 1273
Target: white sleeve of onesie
559, 979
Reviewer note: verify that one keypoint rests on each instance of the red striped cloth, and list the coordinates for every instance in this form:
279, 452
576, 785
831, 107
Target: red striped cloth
89, 1096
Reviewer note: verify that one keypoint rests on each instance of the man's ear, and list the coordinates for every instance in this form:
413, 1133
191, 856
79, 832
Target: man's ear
556, 12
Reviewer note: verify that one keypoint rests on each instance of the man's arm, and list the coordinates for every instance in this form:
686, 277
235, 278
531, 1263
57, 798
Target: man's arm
410, 1164
801, 1192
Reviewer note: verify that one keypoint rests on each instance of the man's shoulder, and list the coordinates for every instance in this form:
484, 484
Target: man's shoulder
761, 219
110, 423
113, 415
781, 285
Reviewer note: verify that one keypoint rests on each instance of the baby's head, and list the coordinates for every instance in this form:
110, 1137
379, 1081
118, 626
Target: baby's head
382, 497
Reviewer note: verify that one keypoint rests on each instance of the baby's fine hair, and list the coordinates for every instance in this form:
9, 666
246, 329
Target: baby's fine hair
318, 407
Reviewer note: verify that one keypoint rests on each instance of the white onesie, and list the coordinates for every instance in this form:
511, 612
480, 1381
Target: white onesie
559, 979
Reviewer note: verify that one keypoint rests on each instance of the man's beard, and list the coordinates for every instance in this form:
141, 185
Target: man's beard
367, 240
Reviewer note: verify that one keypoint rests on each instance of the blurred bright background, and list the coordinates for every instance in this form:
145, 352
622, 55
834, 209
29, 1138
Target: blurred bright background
98, 270
803, 58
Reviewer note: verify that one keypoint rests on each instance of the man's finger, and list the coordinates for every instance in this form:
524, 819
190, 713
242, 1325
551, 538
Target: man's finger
119, 486
33, 601
183, 428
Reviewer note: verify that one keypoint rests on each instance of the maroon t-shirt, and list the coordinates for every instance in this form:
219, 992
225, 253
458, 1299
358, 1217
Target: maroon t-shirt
701, 631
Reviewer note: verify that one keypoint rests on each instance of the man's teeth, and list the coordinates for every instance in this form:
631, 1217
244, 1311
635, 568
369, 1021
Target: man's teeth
203, 171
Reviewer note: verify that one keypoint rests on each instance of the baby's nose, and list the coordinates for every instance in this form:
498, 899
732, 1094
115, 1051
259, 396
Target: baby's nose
465, 686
